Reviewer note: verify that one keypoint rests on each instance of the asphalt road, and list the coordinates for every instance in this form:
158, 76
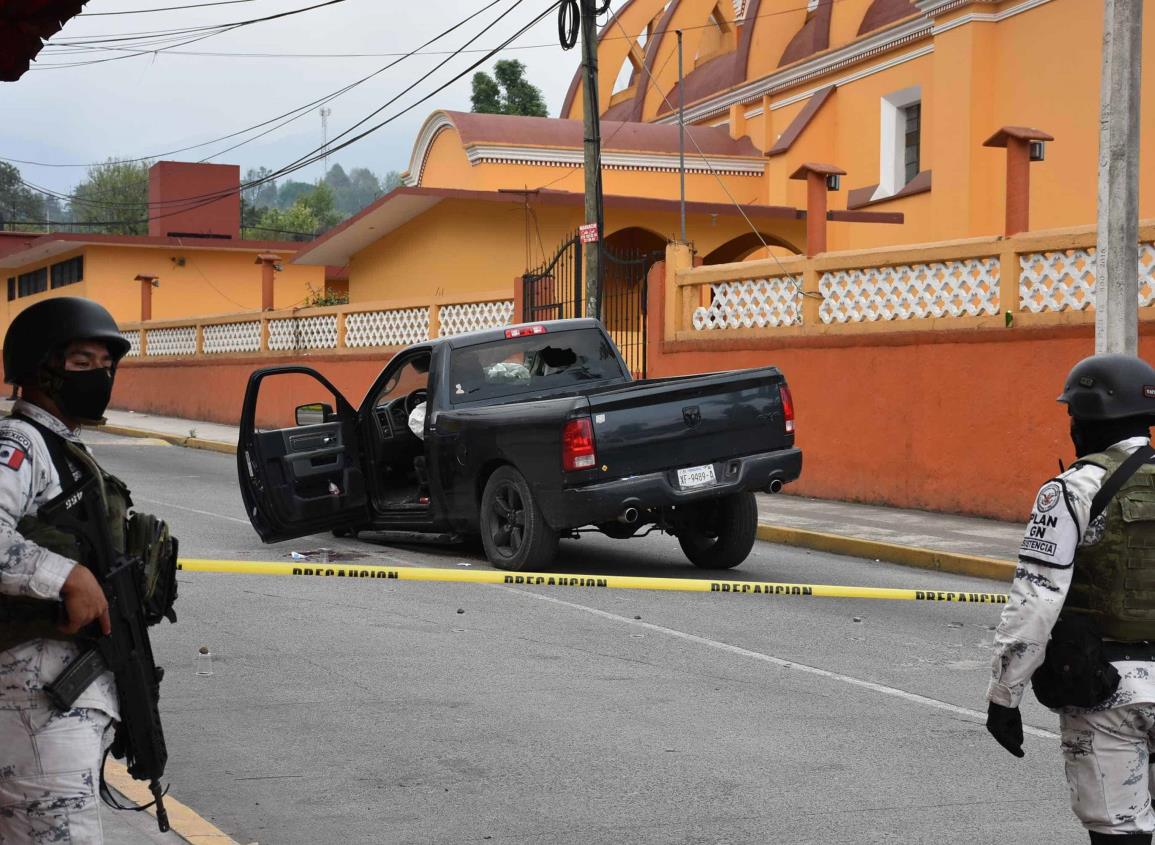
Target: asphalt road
356, 711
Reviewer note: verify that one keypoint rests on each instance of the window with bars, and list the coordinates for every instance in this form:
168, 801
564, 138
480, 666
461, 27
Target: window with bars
68, 272
34, 281
912, 121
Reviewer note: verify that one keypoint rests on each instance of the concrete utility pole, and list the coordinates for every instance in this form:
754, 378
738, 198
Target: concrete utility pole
1117, 270
591, 119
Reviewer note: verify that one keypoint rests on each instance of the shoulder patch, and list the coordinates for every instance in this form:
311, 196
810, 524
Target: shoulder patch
11, 455
1049, 497
16, 438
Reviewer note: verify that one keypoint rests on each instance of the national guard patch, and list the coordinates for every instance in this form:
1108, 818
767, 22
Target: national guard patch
1049, 497
11, 456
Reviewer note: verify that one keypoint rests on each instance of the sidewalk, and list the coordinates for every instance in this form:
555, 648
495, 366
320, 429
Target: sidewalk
962, 545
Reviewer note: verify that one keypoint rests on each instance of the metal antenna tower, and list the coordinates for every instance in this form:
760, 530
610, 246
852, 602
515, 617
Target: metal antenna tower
325, 112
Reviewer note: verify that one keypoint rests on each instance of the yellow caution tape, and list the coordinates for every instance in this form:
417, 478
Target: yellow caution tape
621, 582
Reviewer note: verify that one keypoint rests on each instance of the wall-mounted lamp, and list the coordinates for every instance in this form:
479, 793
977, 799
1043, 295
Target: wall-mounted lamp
833, 181
278, 266
177, 261
1038, 151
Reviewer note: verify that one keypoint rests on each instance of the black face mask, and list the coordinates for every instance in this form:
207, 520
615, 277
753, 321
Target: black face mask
84, 394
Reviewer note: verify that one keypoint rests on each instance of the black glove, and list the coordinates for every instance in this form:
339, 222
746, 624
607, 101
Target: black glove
1005, 724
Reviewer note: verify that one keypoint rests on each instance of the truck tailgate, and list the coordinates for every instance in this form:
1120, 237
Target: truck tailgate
664, 424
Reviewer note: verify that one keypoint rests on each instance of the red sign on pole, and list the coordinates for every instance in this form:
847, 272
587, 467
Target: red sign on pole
589, 233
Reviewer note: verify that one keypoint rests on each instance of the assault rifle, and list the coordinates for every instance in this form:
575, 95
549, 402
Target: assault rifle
126, 651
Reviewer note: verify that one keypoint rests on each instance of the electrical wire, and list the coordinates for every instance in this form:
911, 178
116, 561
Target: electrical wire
163, 9
320, 152
300, 111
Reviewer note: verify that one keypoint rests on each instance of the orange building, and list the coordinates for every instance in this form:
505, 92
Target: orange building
900, 95
194, 258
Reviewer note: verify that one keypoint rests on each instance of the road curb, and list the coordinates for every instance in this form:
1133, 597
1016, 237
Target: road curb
186, 822
957, 564
175, 439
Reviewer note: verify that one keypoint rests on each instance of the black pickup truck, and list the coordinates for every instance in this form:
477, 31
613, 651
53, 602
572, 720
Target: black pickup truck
521, 435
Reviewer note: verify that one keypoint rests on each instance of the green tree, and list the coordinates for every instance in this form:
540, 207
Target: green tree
392, 181
507, 91
290, 192
311, 214
114, 193
18, 203
263, 195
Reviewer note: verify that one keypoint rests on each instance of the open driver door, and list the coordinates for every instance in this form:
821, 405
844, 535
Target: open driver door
299, 468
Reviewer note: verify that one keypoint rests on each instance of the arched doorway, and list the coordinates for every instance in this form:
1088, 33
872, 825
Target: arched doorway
748, 246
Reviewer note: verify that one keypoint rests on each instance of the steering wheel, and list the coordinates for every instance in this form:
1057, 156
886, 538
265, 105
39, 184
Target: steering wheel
415, 398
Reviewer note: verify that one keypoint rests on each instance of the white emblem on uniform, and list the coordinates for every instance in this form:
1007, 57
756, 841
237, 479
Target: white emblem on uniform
1049, 497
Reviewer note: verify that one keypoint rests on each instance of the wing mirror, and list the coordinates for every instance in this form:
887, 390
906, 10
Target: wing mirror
314, 413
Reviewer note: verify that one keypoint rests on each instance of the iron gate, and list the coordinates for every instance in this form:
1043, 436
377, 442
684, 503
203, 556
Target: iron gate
553, 291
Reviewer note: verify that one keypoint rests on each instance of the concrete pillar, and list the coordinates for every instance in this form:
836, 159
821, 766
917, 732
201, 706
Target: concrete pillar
1018, 141
147, 283
819, 179
269, 265
1117, 270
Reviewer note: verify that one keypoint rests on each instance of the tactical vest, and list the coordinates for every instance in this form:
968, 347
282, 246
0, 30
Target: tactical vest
1114, 579
139, 536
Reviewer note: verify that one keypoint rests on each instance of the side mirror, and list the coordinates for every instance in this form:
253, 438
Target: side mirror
314, 413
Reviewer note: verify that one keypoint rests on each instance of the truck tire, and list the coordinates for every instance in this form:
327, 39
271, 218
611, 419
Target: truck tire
723, 533
513, 531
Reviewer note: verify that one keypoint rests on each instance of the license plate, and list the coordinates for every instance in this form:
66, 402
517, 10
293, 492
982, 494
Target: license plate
696, 477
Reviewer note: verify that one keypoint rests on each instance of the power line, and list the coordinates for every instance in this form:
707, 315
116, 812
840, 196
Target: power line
300, 111
163, 9
312, 157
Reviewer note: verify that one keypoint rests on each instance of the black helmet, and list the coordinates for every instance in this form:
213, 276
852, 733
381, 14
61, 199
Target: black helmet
1110, 387
41, 329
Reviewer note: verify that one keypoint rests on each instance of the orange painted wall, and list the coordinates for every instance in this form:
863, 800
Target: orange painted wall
446, 166
210, 282
486, 246
164, 387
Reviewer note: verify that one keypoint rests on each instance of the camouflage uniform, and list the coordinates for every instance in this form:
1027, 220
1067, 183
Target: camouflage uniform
1108, 749
49, 761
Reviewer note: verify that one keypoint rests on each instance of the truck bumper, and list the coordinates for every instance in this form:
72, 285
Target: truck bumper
592, 504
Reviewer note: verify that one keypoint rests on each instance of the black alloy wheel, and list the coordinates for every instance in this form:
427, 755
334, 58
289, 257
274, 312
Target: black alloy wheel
513, 530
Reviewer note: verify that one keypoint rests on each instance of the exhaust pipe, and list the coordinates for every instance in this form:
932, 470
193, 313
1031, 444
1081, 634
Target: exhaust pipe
629, 516
775, 486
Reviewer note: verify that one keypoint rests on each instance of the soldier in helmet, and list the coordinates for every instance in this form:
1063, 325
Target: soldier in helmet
62, 354
1080, 621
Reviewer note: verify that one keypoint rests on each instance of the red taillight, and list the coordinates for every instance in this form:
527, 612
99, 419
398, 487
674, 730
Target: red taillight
787, 407
577, 445
525, 331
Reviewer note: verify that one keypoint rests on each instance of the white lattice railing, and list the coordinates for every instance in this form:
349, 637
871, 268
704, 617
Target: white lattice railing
365, 326
133, 339
177, 340
475, 316
397, 327
1029, 279
231, 337
760, 303
963, 288
1064, 280
318, 332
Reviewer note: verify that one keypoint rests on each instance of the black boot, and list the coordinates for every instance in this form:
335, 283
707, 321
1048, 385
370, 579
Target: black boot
1120, 839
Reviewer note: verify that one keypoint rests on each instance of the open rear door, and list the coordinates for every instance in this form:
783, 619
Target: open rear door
298, 458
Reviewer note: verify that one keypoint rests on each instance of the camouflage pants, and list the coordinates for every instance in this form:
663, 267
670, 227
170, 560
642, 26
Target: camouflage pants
1109, 756
50, 775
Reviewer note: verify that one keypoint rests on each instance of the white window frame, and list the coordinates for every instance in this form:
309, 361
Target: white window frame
892, 141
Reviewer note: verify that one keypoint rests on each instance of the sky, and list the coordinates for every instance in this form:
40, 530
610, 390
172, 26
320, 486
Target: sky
149, 105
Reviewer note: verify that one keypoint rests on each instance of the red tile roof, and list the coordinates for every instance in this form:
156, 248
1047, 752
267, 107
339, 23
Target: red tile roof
24, 26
